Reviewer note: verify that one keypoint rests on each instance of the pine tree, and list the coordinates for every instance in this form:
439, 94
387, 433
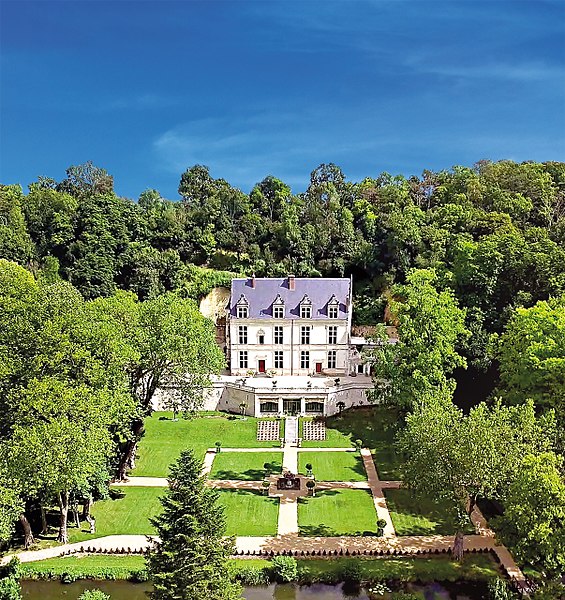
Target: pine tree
190, 560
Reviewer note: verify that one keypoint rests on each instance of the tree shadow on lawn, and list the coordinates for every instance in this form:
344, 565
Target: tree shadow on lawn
372, 424
323, 530
249, 475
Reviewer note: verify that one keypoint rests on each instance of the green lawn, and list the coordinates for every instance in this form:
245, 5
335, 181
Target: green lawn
337, 512
127, 515
94, 566
249, 513
164, 439
333, 466
417, 516
245, 465
473, 567
376, 426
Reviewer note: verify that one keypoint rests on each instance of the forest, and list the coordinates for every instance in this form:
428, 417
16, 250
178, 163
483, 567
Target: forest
468, 262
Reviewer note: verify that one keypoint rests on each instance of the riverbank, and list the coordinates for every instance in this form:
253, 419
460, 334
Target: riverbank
474, 567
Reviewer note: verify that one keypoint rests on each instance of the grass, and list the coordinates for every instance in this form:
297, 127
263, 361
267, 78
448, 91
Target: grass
333, 466
421, 516
473, 567
85, 565
247, 466
126, 515
249, 513
164, 439
376, 426
337, 512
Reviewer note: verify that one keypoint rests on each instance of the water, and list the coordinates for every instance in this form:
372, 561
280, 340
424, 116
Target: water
124, 590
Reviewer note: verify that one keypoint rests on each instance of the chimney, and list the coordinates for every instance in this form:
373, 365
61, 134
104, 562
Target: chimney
291, 283
252, 280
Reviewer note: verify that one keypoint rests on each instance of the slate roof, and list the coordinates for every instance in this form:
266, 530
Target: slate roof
319, 290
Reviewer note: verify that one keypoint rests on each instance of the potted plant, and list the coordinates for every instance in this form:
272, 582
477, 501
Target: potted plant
266, 485
309, 470
250, 373
381, 524
311, 485
218, 446
268, 469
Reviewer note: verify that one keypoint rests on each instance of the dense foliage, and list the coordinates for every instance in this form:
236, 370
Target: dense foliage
76, 376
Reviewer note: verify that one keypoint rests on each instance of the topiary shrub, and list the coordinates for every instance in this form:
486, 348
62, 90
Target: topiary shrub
284, 569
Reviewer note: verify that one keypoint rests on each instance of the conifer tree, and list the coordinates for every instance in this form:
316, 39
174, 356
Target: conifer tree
189, 562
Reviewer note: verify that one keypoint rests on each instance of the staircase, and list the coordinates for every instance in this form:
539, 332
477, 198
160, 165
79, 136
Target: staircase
290, 430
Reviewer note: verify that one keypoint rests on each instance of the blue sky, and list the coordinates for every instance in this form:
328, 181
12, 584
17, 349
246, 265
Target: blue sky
146, 89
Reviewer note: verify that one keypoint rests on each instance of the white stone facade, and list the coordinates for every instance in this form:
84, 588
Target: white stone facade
289, 326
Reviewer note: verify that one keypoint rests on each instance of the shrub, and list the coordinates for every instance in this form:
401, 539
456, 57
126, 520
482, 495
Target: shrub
93, 595
403, 596
252, 576
358, 444
499, 589
10, 588
351, 572
381, 523
67, 577
139, 576
284, 569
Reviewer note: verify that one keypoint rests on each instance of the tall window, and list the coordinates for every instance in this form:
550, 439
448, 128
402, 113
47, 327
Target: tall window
332, 334
333, 311
305, 311
242, 312
305, 334
242, 334
278, 359
304, 359
332, 359
261, 338
243, 359
278, 312
278, 334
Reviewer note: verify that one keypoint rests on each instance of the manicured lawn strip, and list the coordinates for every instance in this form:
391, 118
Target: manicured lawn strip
421, 516
473, 567
247, 466
93, 566
249, 513
333, 466
337, 512
127, 515
164, 439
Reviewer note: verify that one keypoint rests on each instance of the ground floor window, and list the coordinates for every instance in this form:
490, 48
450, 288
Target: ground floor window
314, 407
243, 359
304, 359
269, 407
332, 359
278, 359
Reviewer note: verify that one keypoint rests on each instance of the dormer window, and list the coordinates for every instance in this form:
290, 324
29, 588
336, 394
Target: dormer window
306, 308
242, 308
278, 308
333, 308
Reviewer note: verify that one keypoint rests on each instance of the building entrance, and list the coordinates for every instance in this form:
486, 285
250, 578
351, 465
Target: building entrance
291, 407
